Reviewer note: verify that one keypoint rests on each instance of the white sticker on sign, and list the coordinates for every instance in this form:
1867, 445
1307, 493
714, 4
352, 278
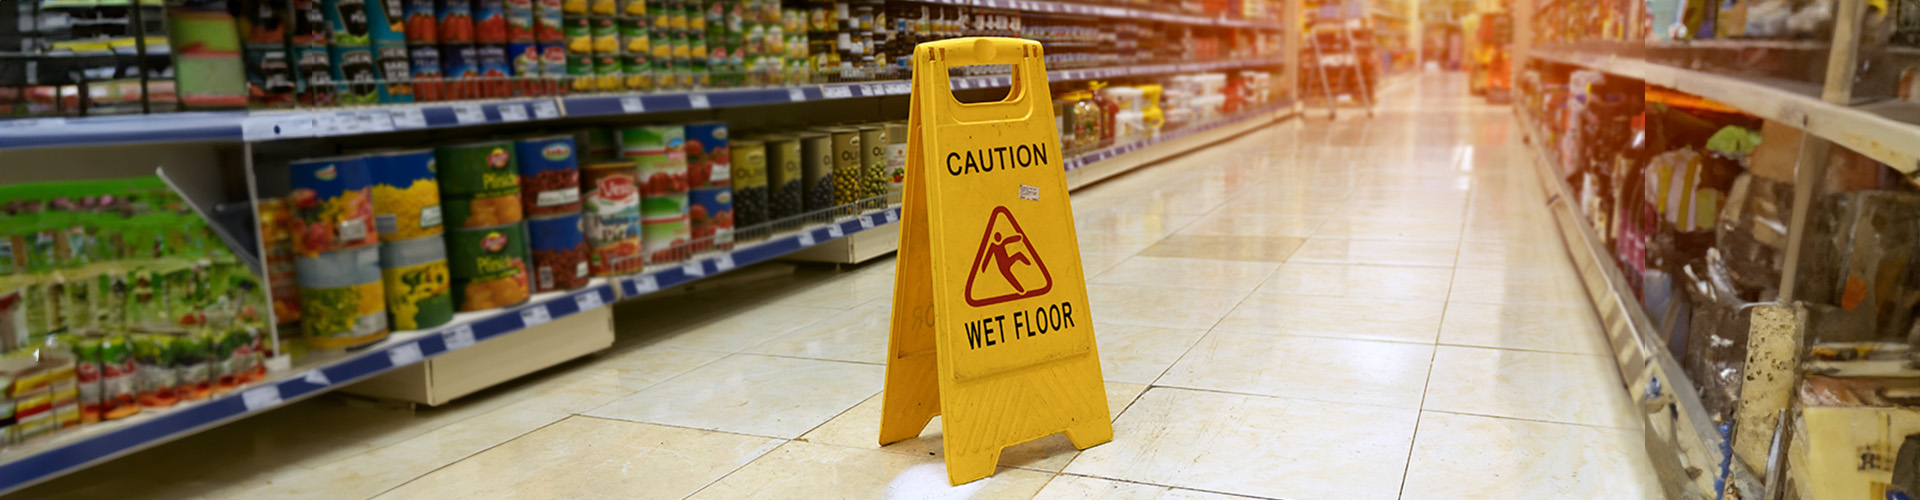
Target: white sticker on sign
632, 105
837, 92
693, 269
405, 354
645, 284
1029, 193
833, 230
892, 216
535, 315
316, 377
796, 95
698, 101
723, 262
806, 238
546, 110
866, 222
469, 114
587, 301
513, 113
458, 338
375, 121
258, 398
409, 118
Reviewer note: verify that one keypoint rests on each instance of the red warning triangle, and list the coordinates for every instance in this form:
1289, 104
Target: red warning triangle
1006, 267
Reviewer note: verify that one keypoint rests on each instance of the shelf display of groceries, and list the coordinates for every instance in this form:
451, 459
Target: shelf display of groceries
115, 298
269, 54
1096, 115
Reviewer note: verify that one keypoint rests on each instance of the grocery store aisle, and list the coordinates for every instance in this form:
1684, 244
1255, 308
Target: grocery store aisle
1362, 309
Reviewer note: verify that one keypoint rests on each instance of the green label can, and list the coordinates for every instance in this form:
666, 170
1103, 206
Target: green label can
488, 266
414, 273
873, 163
478, 169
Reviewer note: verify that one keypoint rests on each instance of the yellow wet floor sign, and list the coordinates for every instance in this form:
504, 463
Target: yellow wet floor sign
991, 329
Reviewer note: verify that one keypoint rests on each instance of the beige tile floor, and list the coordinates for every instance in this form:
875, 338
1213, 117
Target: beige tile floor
1361, 309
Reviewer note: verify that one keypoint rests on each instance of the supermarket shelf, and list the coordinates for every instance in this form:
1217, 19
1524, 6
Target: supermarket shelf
269, 126
1242, 119
26, 465
1888, 132
701, 266
1648, 370
1105, 11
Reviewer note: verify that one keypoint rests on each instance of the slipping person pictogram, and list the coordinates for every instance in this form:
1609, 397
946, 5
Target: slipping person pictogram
1005, 247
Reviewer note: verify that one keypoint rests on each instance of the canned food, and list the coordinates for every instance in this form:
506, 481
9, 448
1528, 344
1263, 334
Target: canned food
749, 182
547, 15
415, 281
711, 217
896, 159
390, 58
602, 7
488, 266
424, 67
271, 73
406, 194
846, 165
601, 143
549, 175
873, 164
351, 21
332, 205
524, 58
606, 35
156, 381
611, 213
460, 71
708, 162
456, 21
637, 70
577, 33
489, 21
553, 61
276, 236
480, 184
494, 69
520, 21
342, 303
422, 27
816, 166
559, 253
606, 72
356, 73
660, 154
786, 196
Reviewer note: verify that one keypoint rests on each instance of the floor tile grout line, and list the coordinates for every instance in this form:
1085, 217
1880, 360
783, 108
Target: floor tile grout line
1533, 420
403, 484
1413, 442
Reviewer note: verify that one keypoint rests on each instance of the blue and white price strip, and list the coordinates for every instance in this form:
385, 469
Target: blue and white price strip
693, 268
892, 217
833, 230
796, 95
534, 316
806, 238
546, 110
723, 262
698, 101
468, 114
316, 377
458, 338
513, 113
836, 92
255, 399
632, 105
646, 284
409, 118
587, 301
405, 354
270, 127
866, 222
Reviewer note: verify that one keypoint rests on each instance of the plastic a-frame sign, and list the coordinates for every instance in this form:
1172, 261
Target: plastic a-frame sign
991, 329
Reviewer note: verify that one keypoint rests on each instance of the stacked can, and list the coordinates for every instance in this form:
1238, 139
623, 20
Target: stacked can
459, 62
602, 143
636, 45
413, 255
610, 207
660, 42
278, 241
873, 165
794, 60
847, 186
710, 177
576, 30
896, 159
354, 66
549, 33
486, 244
784, 178
823, 38
816, 170
270, 73
749, 183
659, 153
337, 259
313, 66
726, 41
604, 28
423, 52
550, 186
699, 71
523, 49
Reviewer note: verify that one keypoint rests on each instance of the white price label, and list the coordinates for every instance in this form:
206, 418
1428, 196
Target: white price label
535, 315
962, 83
833, 230
698, 101
806, 238
468, 114
866, 222
632, 105
899, 89
261, 128
723, 262
316, 377
376, 121
694, 268
513, 113
645, 284
261, 397
405, 354
892, 217
458, 338
836, 92
408, 118
546, 110
587, 301
339, 124
796, 95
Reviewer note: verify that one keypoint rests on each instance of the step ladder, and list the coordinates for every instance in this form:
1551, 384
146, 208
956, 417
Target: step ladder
1350, 59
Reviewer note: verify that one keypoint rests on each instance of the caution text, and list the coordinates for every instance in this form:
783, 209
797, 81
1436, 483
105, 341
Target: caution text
1000, 158
989, 332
